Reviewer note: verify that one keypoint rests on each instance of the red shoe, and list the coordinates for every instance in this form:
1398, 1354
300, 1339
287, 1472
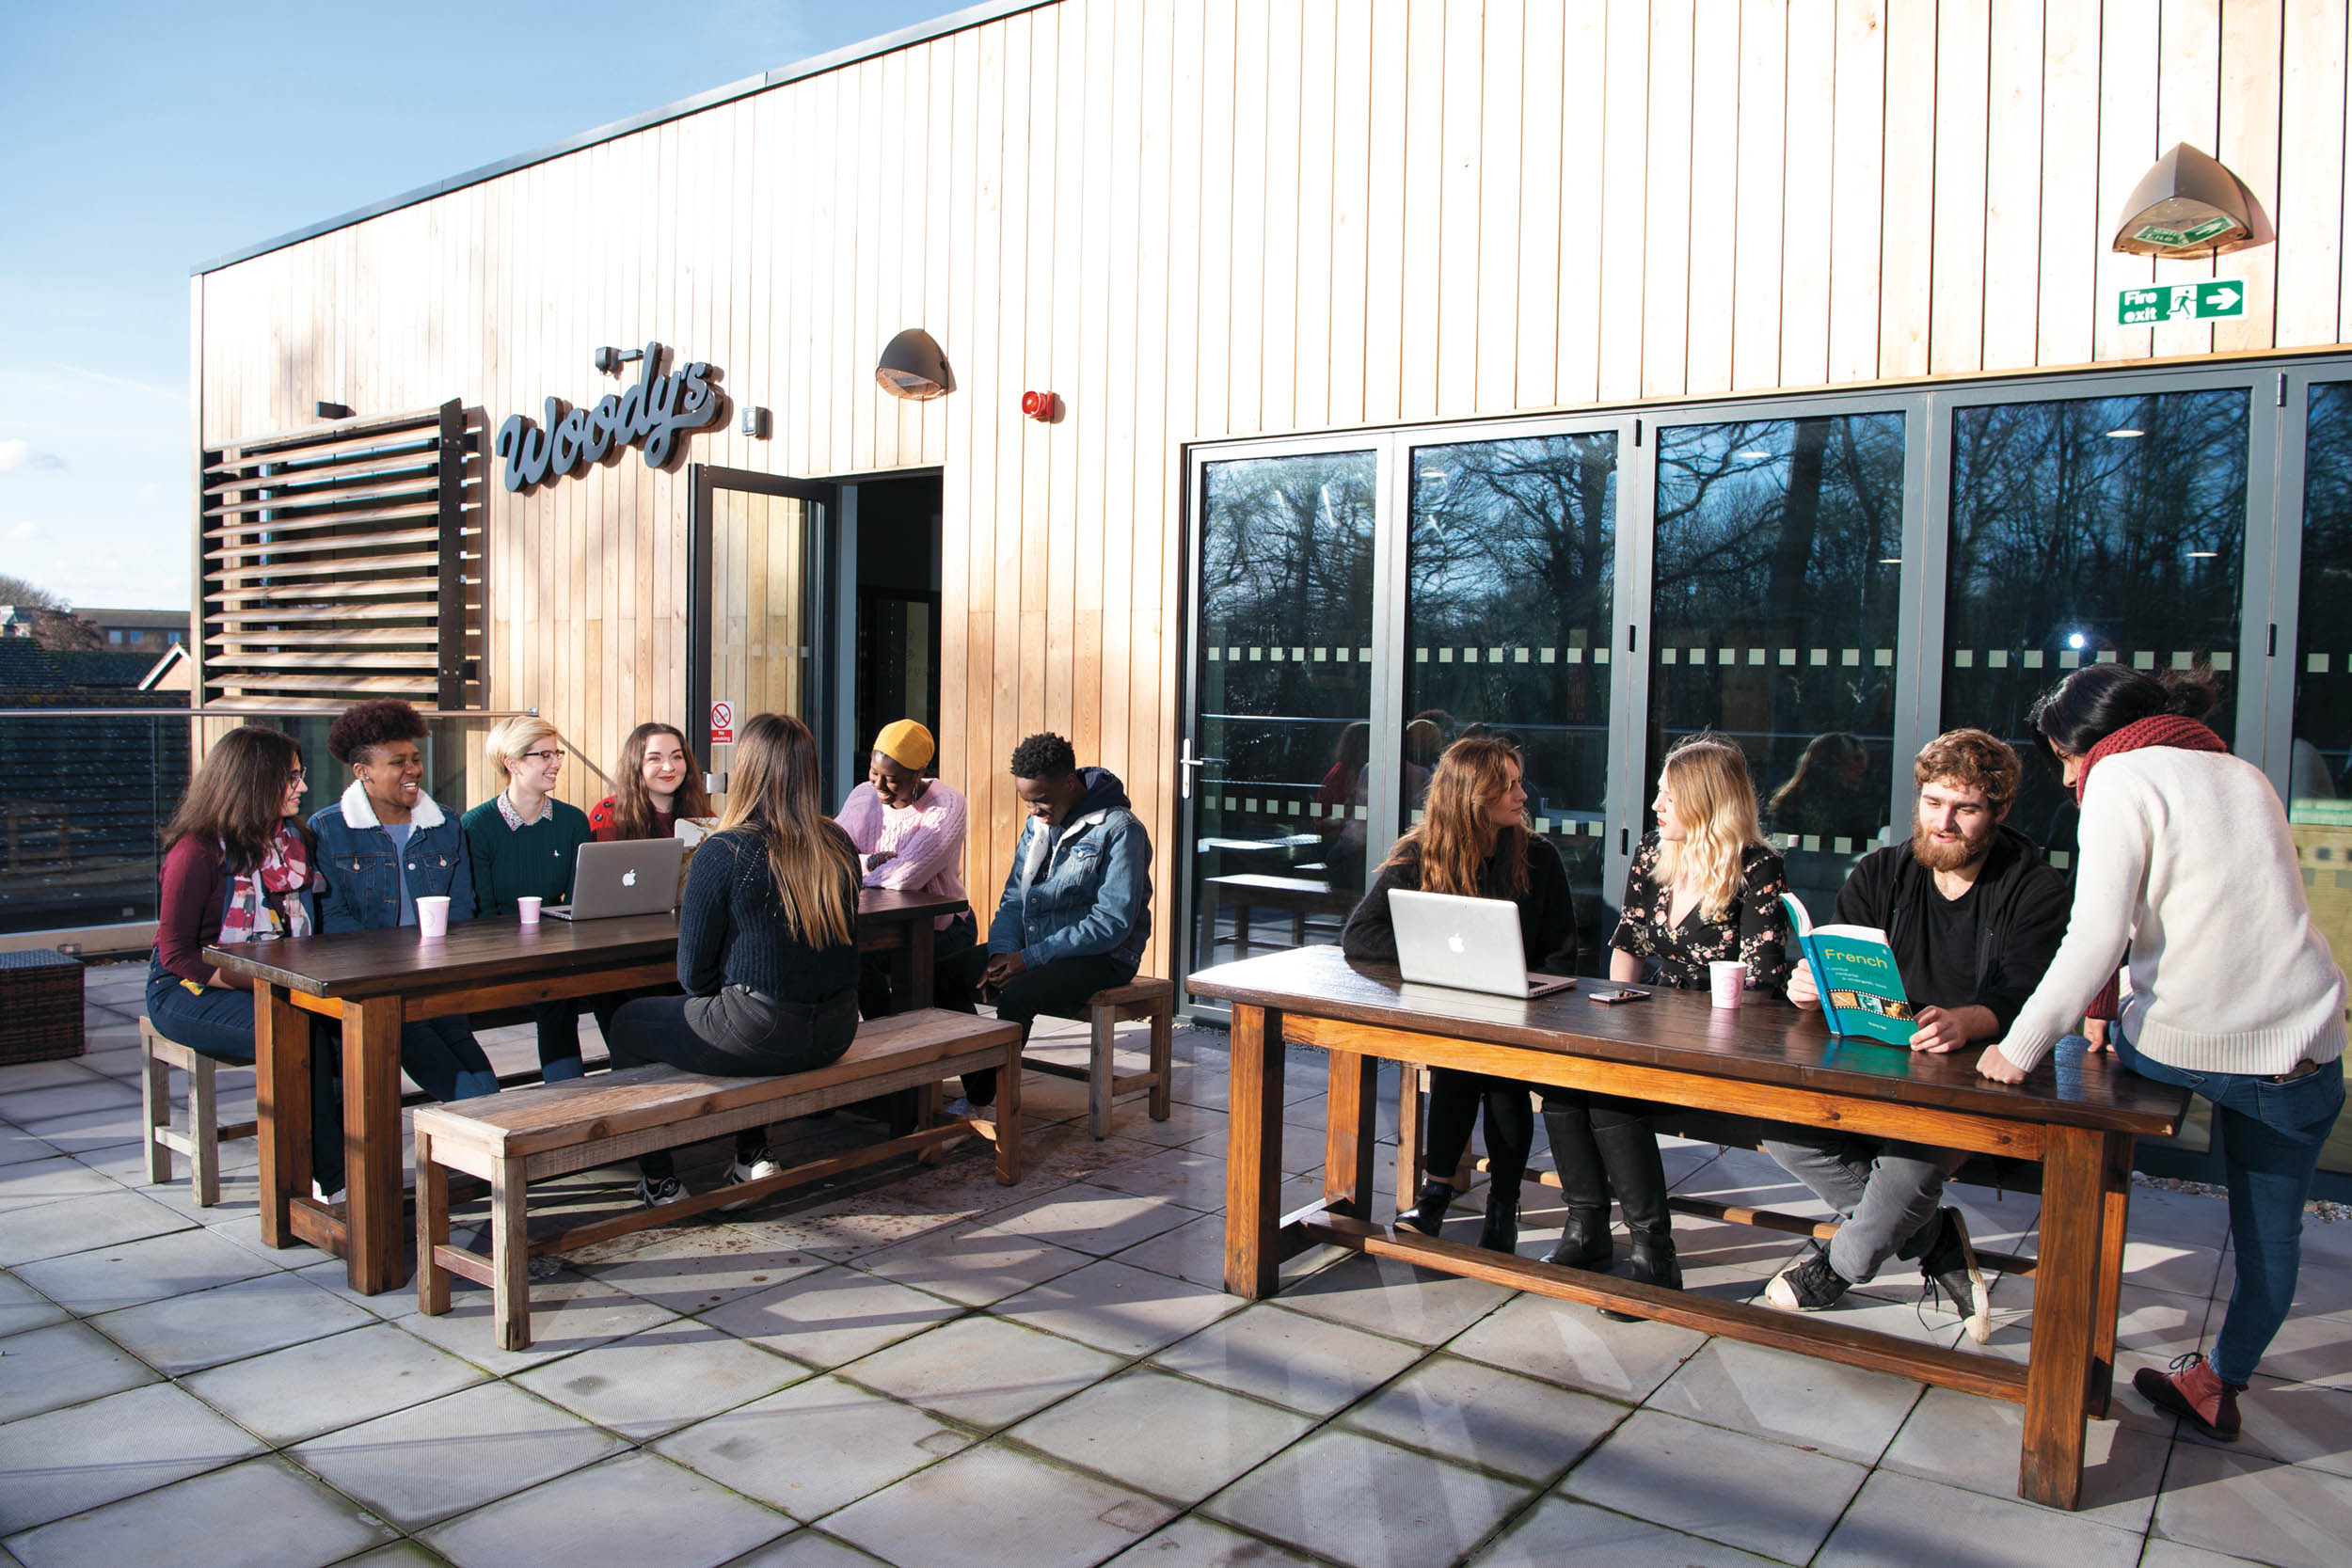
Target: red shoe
2193, 1392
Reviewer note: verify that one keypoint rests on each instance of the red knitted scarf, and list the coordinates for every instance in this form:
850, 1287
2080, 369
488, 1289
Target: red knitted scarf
2165, 729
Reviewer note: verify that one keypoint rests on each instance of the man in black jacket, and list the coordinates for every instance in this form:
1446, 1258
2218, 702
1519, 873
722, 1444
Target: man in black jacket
1974, 915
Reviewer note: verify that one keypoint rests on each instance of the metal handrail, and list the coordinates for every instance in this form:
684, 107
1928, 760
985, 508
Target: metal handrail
245, 713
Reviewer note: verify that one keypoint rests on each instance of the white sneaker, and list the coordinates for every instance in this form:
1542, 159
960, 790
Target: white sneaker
964, 1109
661, 1193
759, 1167
323, 1195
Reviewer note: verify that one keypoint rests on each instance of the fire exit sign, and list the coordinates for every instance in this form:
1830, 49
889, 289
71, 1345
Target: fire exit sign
2180, 302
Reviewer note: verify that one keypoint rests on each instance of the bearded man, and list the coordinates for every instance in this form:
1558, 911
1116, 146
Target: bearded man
1974, 915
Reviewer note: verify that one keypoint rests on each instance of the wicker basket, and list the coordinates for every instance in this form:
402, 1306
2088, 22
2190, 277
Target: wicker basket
41, 1006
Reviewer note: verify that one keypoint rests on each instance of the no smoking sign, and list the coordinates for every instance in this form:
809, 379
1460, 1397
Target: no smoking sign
722, 723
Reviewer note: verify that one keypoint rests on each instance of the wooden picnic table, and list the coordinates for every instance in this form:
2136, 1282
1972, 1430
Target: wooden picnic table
2076, 1117
373, 982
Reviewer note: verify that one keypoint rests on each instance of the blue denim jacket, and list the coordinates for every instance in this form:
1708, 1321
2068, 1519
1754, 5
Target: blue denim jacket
1088, 891
362, 870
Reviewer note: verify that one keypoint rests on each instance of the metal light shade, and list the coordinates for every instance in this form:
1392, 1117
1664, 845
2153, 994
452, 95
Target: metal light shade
2189, 204
912, 367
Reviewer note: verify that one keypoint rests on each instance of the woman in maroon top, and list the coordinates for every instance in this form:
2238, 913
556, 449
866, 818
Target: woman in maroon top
240, 866
661, 782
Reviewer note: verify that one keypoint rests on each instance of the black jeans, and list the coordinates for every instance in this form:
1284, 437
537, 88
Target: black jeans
1058, 990
734, 1033
1455, 1100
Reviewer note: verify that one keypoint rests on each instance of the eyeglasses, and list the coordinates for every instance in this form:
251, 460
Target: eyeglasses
297, 776
540, 756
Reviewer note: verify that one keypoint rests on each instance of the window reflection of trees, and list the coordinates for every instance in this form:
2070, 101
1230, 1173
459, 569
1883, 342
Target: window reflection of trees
2082, 529
2322, 767
1774, 600
1286, 567
1512, 548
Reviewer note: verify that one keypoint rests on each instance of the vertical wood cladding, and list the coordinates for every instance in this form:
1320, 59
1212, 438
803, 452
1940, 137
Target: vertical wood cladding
1206, 218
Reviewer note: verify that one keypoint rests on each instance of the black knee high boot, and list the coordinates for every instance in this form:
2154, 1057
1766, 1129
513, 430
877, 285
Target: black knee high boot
1510, 1133
1585, 1241
1628, 1150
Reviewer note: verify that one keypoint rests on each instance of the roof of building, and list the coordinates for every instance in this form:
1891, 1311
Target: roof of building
26, 666
175, 620
921, 32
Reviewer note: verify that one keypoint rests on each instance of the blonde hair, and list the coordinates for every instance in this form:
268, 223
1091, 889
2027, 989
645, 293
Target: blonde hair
773, 796
1715, 802
1455, 833
509, 739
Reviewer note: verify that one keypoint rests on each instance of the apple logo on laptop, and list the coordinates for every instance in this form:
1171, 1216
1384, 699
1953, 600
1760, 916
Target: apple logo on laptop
629, 878
1455, 943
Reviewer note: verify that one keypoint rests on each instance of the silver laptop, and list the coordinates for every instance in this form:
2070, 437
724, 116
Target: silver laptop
637, 875
1464, 944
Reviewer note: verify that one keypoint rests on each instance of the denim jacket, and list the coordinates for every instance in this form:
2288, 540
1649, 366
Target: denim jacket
1088, 891
362, 870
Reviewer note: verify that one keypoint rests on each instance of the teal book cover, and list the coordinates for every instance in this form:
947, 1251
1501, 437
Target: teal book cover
1853, 969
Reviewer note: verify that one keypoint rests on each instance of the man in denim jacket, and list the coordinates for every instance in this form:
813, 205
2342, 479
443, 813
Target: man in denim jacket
1077, 909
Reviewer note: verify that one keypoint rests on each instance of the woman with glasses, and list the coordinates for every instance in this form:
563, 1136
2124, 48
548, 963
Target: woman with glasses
384, 845
523, 843
239, 866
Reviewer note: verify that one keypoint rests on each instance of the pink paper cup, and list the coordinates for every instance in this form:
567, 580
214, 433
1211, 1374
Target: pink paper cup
432, 917
1726, 978
527, 911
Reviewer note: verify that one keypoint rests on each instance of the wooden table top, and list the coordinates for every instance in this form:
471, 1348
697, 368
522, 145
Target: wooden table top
357, 964
1764, 1042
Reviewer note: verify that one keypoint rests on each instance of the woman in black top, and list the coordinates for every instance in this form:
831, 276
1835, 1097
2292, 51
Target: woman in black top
767, 945
1473, 840
1703, 887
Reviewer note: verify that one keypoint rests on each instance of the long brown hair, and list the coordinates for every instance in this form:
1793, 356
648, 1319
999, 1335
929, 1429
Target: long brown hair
632, 803
1454, 834
238, 794
773, 795
1715, 798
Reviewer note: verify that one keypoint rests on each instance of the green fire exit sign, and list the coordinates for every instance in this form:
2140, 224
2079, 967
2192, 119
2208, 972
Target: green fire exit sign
2180, 302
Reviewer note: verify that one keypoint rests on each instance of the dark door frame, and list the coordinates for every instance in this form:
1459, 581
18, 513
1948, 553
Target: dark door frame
704, 480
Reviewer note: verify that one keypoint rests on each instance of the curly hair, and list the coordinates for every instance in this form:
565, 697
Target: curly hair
1044, 755
362, 727
1973, 759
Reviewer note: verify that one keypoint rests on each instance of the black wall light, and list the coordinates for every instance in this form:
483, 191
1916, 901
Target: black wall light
2191, 204
610, 360
332, 410
914, 366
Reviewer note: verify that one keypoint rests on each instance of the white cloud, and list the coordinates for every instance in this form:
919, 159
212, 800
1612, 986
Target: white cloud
20, 454
22, 531
148, 492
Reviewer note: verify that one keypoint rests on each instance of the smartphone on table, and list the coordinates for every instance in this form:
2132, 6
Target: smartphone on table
1620, 993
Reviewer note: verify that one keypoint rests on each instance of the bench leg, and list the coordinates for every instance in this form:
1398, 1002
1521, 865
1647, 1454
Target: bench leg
1008, 1117
155, 1105
204, 1132
1099, 1063
926, 1114
510, 1255
1163, 1051
432, 1229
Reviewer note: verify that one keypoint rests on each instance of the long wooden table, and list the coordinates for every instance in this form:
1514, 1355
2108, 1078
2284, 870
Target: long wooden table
373, 982
2076, 1117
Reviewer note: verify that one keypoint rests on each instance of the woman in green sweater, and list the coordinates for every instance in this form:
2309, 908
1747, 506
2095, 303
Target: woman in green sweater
523, 842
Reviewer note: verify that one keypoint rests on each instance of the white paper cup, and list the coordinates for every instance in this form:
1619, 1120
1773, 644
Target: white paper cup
527, 909
1726, 978
433, 917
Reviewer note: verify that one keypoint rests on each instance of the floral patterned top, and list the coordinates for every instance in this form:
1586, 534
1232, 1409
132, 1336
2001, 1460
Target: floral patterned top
1754, 930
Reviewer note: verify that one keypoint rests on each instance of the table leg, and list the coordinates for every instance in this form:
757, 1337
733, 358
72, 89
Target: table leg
1408, 1133
2066, 1293
372, 1144
281, 1079
1253, 1155
2115, 1188
922, 956
1350, 1134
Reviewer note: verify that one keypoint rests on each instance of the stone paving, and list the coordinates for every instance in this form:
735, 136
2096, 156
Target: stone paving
925, 1368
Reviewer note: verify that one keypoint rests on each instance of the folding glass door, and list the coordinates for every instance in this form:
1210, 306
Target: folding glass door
757, 558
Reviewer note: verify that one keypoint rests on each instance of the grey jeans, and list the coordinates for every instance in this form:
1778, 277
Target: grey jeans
1886, 1193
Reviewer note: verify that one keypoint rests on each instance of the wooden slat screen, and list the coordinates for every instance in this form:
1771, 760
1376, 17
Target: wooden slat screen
333, 562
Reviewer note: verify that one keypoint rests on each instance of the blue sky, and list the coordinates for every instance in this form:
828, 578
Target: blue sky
139, 139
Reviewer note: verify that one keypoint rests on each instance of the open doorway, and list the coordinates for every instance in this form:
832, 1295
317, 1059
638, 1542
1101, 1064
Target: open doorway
897, 658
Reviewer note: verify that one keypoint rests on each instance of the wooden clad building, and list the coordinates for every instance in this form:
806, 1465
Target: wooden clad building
1246, 232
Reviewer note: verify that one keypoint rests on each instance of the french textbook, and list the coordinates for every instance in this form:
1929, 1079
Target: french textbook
1853, 969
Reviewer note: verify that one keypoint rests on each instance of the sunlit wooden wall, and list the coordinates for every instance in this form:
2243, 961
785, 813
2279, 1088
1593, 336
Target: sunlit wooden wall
1201, 218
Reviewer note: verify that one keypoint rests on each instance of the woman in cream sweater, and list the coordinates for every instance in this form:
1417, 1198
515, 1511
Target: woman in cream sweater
2185, 860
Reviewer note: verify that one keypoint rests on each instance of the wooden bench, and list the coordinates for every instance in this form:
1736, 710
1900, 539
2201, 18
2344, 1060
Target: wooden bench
1139, 998
511, 1140
201, 1142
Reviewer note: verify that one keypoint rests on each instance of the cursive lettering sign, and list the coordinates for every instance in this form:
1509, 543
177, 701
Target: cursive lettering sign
650, 415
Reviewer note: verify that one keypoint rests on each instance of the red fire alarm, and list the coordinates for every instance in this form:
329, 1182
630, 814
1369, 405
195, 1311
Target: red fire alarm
1040, 406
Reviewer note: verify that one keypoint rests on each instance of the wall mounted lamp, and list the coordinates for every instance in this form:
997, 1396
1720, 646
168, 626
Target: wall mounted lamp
610, 360
912, 367
2190, 205
332, 410
755, 422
